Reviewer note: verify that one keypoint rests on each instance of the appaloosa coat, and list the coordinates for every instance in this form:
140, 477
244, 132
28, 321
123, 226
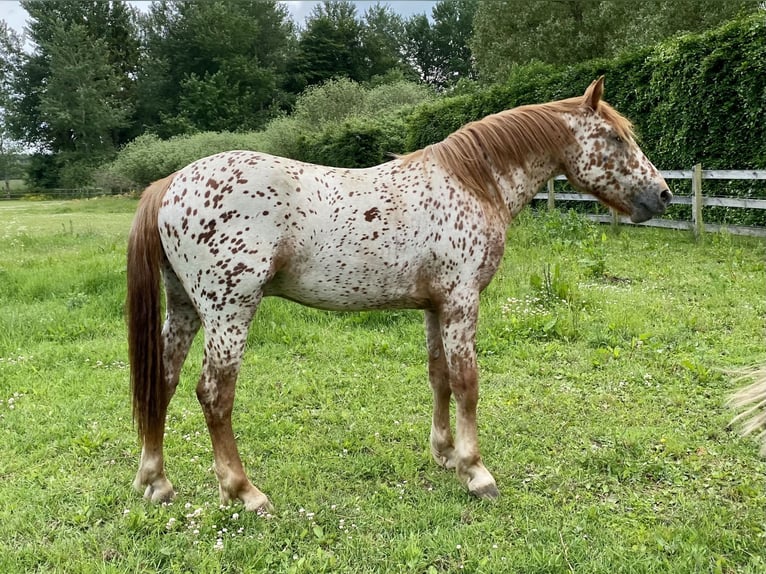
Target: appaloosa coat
424, 231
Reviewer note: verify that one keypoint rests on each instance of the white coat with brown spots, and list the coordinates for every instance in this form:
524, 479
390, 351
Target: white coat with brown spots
424, 231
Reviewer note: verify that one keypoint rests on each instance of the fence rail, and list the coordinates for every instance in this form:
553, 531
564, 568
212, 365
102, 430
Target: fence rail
697, 200
53, 193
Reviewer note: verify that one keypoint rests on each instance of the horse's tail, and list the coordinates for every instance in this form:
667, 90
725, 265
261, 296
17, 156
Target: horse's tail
145, 255
752, 399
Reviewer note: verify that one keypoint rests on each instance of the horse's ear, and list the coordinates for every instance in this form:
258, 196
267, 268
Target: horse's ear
593, 94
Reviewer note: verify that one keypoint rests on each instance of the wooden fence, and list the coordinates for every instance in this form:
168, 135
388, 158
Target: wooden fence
57, 193
697, 200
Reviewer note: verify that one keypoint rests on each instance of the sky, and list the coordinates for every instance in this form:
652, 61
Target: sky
15, 16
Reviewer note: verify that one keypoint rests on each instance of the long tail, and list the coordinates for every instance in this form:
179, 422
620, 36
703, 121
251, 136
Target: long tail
752, 399
143, 306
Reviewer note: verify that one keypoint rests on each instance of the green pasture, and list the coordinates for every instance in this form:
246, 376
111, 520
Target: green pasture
604, 364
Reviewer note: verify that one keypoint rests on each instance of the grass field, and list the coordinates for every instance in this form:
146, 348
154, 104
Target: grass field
603, 364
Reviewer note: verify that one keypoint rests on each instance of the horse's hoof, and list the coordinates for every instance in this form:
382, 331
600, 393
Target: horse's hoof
486, 491
260, 504
161, 490
158, 495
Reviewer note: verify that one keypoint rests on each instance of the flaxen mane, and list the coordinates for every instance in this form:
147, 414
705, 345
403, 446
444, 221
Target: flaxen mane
507, 139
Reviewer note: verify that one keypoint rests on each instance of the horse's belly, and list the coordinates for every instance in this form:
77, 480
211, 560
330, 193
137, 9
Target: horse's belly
342, 293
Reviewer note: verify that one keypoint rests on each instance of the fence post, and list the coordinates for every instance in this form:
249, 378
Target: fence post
551, 198
699, 226
615, 221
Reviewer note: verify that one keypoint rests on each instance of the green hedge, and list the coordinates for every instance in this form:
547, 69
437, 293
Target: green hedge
148, 158
696, 98
358, 142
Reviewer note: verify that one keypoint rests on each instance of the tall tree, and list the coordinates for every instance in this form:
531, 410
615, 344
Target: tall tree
331, 45
10, 55
452, 33
106, 27
214, 65
511, 32
440, 51
81, 105
419, 49
383, 38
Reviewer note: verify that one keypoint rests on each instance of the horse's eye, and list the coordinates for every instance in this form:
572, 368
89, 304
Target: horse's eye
618, 139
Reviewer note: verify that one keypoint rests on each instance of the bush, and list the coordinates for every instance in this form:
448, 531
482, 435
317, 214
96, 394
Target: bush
694, 98
328, 122
332, 101
697, 98
356, 143
148, 158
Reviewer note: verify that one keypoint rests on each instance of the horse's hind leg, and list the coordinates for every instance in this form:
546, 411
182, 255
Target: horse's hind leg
181, 325
225, 339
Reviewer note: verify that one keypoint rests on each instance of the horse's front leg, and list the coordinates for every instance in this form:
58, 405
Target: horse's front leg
458, 332
442, 445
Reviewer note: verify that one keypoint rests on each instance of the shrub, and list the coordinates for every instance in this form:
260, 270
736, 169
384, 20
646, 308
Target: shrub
148, 158
694, 98
356, 143
338, 123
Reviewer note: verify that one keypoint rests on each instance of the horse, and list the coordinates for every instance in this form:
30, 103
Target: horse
425, 230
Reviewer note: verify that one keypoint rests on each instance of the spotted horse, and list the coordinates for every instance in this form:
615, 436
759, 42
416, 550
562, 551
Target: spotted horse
425, 231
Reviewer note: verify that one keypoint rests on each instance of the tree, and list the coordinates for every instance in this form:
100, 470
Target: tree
80, 105
215, 65
511, 32
109, 25
331, 45
383, 39
452, 33
76, 87
419, 49
10, 54
440, 51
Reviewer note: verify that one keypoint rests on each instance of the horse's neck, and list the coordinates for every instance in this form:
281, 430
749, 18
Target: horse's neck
520, 185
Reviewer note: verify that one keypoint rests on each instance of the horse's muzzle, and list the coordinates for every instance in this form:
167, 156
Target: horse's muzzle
649, 204
666, 196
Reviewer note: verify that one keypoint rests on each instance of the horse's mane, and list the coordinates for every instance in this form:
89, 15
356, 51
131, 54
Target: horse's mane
509, 138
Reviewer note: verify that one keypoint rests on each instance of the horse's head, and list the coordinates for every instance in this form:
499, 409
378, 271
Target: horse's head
607, 162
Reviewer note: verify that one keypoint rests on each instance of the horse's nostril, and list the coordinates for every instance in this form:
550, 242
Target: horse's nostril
666, 196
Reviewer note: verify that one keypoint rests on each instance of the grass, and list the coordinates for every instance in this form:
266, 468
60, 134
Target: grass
603, 363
